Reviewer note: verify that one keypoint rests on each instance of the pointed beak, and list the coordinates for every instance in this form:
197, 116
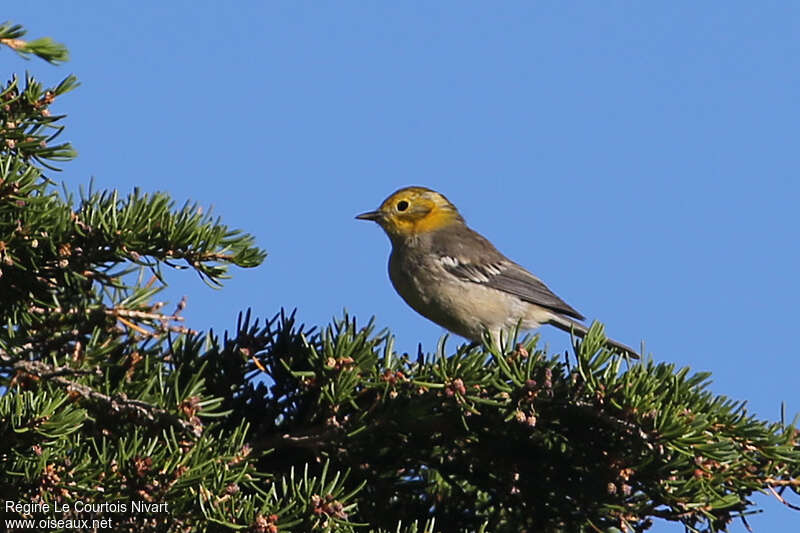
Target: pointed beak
370, 215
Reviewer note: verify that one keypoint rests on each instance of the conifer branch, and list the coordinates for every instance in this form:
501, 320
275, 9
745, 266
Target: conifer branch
45, 48
141, 412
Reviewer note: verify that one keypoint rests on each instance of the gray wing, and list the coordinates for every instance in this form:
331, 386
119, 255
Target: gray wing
509, 277
469, 256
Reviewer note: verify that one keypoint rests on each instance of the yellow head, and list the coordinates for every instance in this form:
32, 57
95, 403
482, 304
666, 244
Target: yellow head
413, 210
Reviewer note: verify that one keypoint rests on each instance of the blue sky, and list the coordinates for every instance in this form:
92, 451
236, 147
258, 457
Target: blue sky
642, 159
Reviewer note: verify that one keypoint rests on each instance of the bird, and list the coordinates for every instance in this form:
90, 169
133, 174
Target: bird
455, 277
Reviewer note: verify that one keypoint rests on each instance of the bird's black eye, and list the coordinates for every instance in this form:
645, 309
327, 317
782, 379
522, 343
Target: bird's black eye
402, 205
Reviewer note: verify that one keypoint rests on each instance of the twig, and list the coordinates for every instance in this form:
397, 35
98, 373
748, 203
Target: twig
784, 502
312, 439
118, 312
16, 44
794, 482
134, 326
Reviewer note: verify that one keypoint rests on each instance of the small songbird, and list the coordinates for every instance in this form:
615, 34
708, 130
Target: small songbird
455, 277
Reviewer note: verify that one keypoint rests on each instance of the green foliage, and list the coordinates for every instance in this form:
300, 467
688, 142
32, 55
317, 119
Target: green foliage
45, 48
511, 439
27, 126
108, 401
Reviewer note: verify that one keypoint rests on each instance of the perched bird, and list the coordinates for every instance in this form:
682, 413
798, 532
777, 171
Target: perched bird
455, 277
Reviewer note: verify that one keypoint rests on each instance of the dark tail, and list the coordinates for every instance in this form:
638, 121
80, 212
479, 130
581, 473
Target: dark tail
571, 326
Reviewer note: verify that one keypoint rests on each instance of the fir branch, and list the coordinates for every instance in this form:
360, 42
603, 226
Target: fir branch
44, 48
314, 439
138, 410
27, 126
541, 441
